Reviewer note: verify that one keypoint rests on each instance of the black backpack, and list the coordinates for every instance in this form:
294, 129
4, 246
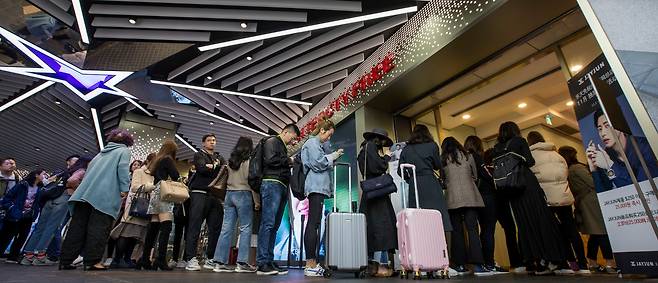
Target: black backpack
255, 178
508, 172
298, 179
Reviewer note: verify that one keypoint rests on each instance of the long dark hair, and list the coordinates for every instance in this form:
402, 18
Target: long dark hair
82, 163
241, 152
450, 149
377, 141
167, 150
32, 176
420, 134
569, 154
473, 145
507, 131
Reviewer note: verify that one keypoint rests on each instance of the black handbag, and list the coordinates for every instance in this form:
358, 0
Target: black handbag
508, 173
139, 204
378, 186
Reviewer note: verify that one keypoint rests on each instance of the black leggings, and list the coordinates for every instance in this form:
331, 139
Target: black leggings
312, 232
570, 236
180, 224
599, 241
506, 220
149, 240
124, 249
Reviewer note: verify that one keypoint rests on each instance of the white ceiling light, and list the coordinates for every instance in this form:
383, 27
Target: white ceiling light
523, 105
310, 28
570, 103
231, 92
216, 104
243, 25
576, 68
249, 58
209, 77
81, 117
466, 116
132, 21
79, 17
232, 123
186, 143
172, 116
58, 102
212, 123
26, 95
97, 127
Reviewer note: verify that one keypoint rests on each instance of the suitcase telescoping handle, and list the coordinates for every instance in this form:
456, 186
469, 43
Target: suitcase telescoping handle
413, 170
349, 184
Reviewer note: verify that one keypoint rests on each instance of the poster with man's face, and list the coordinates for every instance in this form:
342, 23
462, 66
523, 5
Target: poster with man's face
614, 157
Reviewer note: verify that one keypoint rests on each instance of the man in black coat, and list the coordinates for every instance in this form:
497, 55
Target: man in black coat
203, 205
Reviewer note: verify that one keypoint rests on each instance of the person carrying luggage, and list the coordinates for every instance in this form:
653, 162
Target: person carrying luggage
380, 217
318, 163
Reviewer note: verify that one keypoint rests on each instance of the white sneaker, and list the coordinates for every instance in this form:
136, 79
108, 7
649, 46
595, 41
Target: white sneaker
519, 270
181, 264
452, 272
193, 265
316, 271
78, 261
222, 268
244, 268
107, 262
564, 271
209, 264
584, 272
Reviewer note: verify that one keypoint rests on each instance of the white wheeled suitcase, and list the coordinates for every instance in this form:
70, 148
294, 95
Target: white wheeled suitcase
347, 248
421, 238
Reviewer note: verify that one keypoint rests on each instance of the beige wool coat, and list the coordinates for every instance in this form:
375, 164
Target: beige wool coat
460, 180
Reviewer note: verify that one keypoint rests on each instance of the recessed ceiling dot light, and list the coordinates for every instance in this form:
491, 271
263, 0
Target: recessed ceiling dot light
209, 77
249, 58
172, 116
212, 123
81, 117
243, 25
37, 149
58, 102
570, 103
132, 21
466, 116
241, 120
523, 105
576, 68
216, 104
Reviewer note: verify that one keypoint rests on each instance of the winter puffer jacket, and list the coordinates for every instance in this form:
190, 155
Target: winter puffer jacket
551, 171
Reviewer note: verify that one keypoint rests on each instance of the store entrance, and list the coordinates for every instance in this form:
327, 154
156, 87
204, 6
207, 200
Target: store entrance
526, 84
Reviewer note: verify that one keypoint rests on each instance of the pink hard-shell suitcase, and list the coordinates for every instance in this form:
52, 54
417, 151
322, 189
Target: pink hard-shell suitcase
421, 239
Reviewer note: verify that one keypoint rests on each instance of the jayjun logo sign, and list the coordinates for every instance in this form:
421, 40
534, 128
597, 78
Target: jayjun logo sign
85, 83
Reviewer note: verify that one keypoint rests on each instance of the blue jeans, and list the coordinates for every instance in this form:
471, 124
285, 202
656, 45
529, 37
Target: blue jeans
238, 206
273, 200
52, 215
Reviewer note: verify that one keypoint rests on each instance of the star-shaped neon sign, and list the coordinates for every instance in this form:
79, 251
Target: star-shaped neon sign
85, 83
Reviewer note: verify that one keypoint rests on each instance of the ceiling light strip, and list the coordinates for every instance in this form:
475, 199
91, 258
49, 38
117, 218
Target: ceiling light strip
310, 28
230, 92
186, 143
138, 106
79, 17
26, 95
97, 126
232, 123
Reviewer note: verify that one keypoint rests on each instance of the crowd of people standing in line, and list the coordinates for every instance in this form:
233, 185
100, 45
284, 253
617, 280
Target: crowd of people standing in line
542, 222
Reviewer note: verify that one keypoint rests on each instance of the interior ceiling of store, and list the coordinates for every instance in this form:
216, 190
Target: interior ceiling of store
164, 39
527, 72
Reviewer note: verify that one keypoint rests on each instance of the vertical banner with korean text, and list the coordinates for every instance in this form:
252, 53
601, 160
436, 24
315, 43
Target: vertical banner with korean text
623, 167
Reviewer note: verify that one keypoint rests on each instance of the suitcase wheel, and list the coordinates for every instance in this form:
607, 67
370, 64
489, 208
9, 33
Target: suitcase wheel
360, 274
327, 273
404, 274
417, 275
